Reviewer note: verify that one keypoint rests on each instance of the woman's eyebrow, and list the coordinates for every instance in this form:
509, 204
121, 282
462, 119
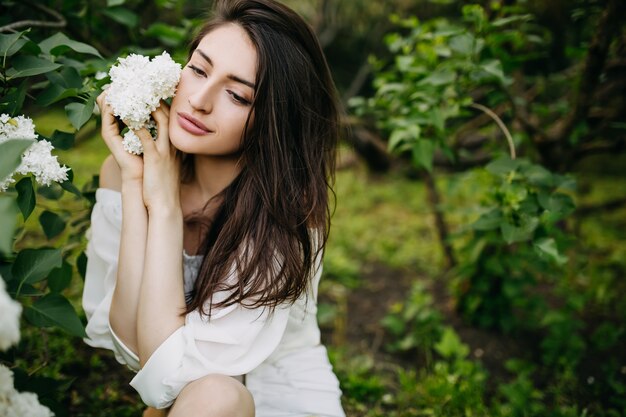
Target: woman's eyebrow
230, 76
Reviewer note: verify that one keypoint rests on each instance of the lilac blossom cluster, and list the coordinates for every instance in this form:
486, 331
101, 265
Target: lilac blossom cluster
37, 159
12, 402
137, 87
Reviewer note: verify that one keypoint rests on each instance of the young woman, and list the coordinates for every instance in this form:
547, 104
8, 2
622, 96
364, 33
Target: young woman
205, 253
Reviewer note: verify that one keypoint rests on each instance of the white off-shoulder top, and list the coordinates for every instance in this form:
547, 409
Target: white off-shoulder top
286, 368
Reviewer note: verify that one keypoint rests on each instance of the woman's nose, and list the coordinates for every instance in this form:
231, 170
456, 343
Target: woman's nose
202, 99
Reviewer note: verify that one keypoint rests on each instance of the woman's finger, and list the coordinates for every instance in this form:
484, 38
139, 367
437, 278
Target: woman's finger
146, 140
161, 117
165, 107
110, 129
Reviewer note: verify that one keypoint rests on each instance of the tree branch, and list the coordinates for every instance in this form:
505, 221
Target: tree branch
604, 147
357, 82
606, 29
59, 23
500, 124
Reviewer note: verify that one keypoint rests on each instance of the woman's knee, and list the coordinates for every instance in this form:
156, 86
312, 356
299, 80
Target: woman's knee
214, 396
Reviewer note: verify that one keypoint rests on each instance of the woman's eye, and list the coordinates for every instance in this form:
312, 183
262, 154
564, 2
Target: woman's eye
238, 98
197, 70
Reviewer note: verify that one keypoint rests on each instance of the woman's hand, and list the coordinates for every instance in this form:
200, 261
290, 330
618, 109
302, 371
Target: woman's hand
131, 166
161, 176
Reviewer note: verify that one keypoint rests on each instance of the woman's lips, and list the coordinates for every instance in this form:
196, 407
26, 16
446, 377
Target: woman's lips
192, 125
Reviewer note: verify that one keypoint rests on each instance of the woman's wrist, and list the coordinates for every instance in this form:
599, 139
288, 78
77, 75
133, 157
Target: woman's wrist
132, 185
166, 211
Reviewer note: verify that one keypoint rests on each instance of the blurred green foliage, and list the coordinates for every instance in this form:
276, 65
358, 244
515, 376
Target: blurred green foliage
532, 262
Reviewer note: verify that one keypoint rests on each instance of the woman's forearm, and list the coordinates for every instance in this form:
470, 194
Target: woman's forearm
123, 313
162, 297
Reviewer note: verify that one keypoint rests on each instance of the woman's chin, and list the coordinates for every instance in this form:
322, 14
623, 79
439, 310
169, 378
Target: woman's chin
180, 140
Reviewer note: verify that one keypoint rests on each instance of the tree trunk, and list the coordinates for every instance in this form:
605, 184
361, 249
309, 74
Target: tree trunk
440, 221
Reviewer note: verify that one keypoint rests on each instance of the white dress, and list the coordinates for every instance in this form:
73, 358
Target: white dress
286, 368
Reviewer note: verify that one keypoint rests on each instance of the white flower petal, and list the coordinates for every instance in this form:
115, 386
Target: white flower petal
10, 311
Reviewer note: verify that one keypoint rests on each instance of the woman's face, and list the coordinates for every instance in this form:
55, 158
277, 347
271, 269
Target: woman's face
214, 95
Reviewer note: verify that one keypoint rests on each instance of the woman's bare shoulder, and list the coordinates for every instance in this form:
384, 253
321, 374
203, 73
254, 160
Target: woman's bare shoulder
110, 175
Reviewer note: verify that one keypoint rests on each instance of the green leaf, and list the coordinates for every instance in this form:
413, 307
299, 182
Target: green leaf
69, 186
11, 153
488, 221
538, 175
477, 247
62, 140
34, 265
26, 199
113, 3
394, 324
13, 101
68, 77
52, 224
405, 63
10, 44
503, 21
27, 66
502, 165
54, 310
169, 35
462, 44
52, 192
122, 16
494, 68
399, 136
60, 278
8, 222
450, 345
17, 289
79, 113
54, 93
558, 203
439, 78
5, 270
423, 151
81, 264
395, 139
546, 248
512, 233
59, 43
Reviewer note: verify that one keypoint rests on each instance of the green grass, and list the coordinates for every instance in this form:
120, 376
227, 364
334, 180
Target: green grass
384, 220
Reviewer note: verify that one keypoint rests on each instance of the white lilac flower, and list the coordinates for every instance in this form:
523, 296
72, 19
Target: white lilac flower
18, 404
6, 381
132, 143
10, 311
22, 404
19, 127
137, 87
37, 159
4, 184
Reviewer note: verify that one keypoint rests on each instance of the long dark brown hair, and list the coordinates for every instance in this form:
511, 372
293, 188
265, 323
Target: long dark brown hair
273, 220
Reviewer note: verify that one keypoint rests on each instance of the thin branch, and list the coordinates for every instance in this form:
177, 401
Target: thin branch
600, 147
500, 124
357, 82
60, 21
607, 27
